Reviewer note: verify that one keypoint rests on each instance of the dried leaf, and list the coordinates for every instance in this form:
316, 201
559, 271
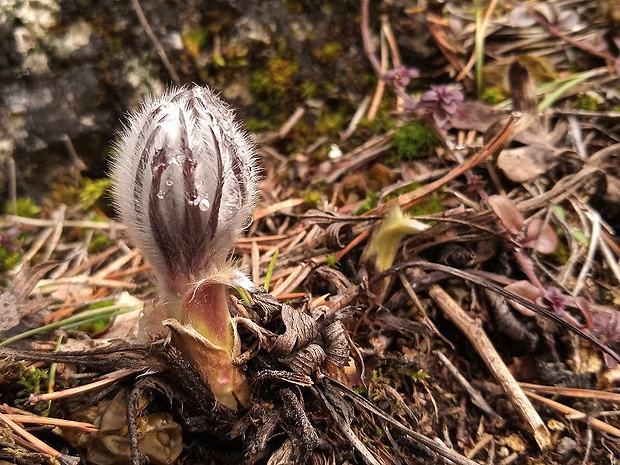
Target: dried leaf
526, 290
10, 314
301, 329
13, 302
523, 164
264, 304
27, 278
160, 438
335, 235
324, 218
336, 344
507, 212
522, 90
334, 277
306, 360
521, 16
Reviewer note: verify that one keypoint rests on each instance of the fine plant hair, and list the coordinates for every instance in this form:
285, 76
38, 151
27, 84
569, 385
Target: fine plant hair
184, 179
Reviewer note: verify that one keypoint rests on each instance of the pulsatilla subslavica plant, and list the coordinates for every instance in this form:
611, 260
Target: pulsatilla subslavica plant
185, 184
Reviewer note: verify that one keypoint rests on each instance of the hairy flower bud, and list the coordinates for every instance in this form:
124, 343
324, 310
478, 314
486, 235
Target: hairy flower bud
184, 183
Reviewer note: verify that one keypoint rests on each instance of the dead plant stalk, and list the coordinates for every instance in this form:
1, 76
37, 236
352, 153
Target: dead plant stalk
472, 329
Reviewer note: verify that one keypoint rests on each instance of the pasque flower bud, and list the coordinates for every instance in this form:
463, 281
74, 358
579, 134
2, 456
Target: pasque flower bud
185, 184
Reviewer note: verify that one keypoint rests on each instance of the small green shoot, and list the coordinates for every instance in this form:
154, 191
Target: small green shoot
385, 242
54, 367
74, 321
51, 382
419, 376
559, 212
272, 265
580, 236
331, 260
244, 296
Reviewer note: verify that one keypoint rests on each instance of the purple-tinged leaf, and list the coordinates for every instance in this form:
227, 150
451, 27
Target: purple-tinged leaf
507, 212
540, 236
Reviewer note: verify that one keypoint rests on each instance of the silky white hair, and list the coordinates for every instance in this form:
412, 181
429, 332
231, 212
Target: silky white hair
184, 181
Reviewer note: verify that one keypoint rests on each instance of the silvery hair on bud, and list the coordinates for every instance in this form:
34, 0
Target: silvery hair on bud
185, 183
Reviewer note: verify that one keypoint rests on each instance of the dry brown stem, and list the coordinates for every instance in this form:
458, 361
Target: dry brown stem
472, 329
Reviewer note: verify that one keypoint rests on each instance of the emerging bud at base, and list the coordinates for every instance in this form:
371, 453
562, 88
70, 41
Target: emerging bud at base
225, 379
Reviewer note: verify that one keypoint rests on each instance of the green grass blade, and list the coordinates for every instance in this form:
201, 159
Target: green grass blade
272, 265
556, 94
479, 47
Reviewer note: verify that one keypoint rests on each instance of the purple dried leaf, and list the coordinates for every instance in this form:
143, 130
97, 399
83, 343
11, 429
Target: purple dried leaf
607, 325
554, 299
569, 21
442, 103
521, 16
400, 76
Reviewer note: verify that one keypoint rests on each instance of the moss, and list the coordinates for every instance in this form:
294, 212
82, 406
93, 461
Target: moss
329, 52
307, 89
414, 140
312, 198
8, 259
293, 6
258, 125
586, 102
402, 190
330, 123
99, 325
194, 40
417, 376
99, 243
92, 190
493, 95
429, 206
361, 390
23, 207
369, 202
31, 378
275, 81
86, 193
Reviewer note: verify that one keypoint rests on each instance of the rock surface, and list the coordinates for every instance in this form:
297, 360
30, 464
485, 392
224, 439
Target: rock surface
69, 69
